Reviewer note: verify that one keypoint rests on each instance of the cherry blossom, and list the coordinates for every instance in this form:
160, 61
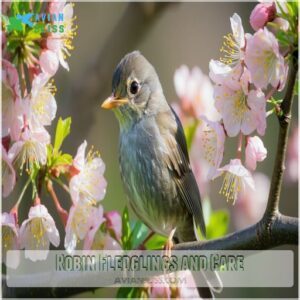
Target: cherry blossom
8, 174
61, 43
229, 69
12, 109
37, 232
199, 165
236, 179
30, 149
114, 223
262, 14
161, 291
56, 6
78, 224
96, 239
250, 206
10, 239
255, 151
241, 111
195, 92
264, 60
42, 105
89, 184
49, 62
213, 139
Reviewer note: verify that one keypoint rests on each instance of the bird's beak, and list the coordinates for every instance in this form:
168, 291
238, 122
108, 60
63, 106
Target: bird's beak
113, 102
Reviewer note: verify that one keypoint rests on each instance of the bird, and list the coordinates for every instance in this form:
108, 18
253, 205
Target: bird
153, 156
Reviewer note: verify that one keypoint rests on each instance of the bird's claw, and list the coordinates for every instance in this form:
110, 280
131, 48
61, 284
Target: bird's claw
169, 244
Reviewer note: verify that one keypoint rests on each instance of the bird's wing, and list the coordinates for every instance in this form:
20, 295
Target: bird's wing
177, 160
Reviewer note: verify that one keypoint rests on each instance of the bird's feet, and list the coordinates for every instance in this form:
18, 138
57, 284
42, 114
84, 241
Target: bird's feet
169, 244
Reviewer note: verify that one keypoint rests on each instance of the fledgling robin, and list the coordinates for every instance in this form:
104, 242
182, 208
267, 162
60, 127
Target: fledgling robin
153, 156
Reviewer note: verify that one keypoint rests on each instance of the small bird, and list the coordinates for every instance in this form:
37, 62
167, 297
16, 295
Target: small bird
153, 156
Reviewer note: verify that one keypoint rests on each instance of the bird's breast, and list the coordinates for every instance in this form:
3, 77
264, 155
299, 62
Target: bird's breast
148, 183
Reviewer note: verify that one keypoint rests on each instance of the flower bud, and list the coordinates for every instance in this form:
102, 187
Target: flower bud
262, 14
255, 151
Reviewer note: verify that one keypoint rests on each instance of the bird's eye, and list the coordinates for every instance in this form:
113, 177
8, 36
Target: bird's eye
134, 87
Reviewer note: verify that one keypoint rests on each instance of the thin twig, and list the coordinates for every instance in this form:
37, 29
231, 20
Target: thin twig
62, 212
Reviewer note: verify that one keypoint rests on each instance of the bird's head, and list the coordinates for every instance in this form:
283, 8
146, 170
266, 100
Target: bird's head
136, 90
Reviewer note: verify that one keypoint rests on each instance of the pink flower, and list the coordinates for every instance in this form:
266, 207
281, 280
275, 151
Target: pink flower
12, 110
264, 60
255, 151
250, 206
79, 222
56, 6
89, 184
262, 14
195, 92
280, 23
10, 78
96, 239
189, 289
10, 239
240, 110
236, 179
49, 62
229, 69
212, 142
292, 156
37, 232
30, 149
114, 223
61, 43
12, 117
161, 291
199, 165
8, 174
41, 104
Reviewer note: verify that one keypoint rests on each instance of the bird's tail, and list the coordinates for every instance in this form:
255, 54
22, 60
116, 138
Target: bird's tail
212, 277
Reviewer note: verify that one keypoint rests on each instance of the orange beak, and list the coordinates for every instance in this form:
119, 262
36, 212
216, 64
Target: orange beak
112, 102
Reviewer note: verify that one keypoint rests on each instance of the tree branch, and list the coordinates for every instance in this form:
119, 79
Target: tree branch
283, 230
284, 122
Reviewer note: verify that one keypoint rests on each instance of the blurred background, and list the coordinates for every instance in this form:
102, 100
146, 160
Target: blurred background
168, 35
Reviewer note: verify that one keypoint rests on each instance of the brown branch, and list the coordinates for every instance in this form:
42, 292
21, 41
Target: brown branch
284, 122
283, 230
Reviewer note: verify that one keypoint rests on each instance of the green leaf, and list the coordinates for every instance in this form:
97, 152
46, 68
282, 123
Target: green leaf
24, 7
156, 242
49, 155
296, 87
129, 293
138, 234
63, 129
283, 38
64, 159
126, 230
189, 132
218, 224
37, 6
15, 8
